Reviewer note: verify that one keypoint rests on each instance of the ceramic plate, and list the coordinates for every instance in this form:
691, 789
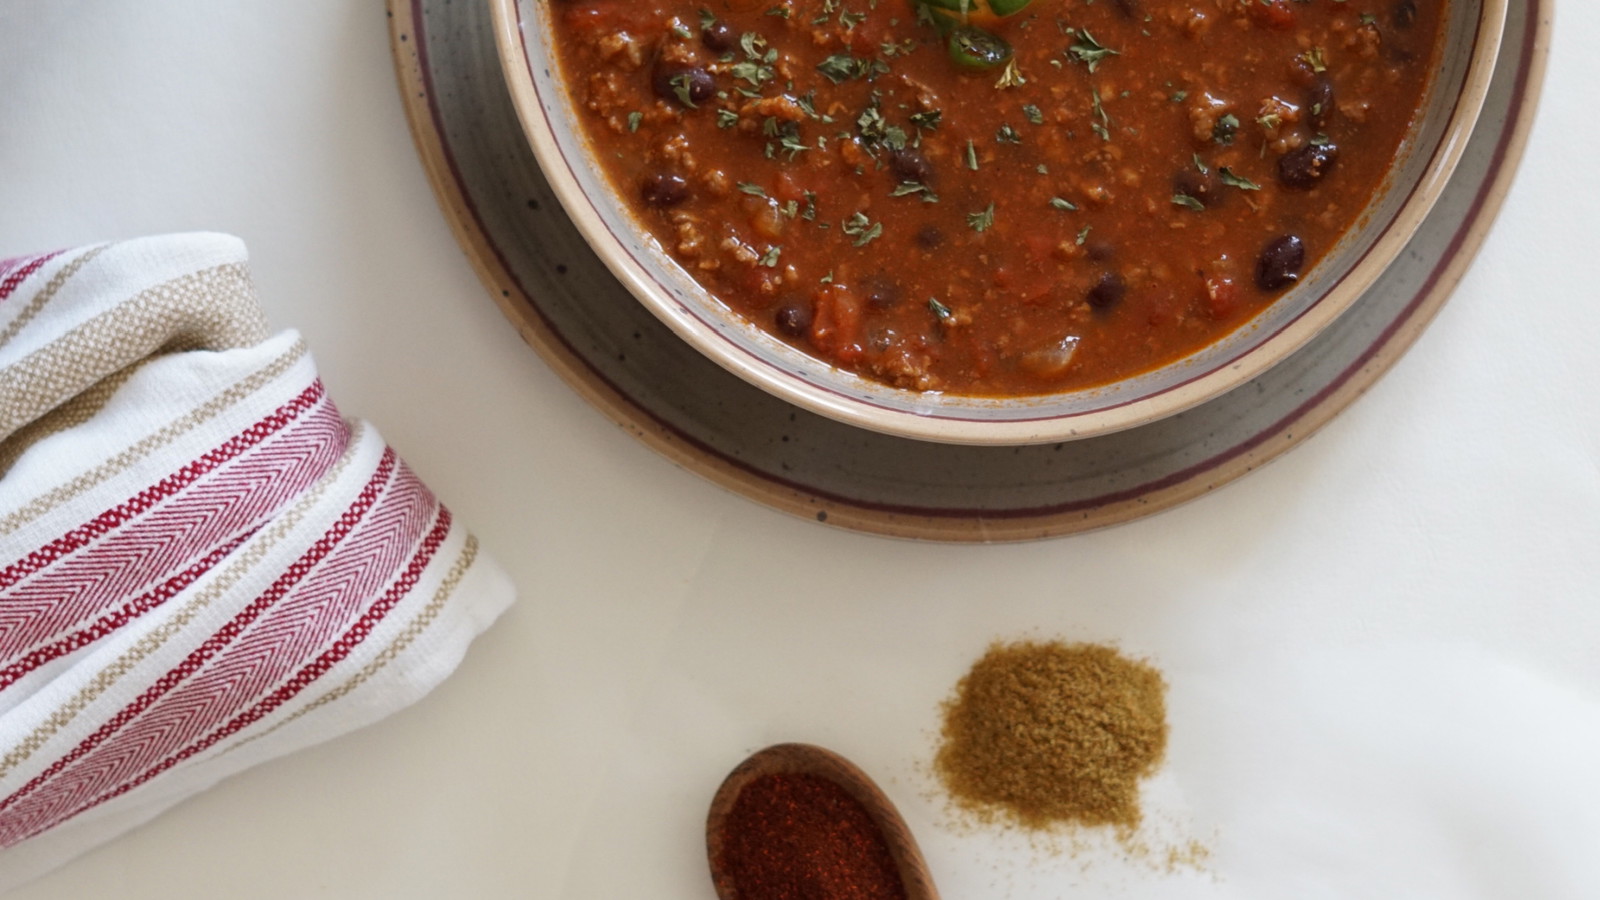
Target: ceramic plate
616, 354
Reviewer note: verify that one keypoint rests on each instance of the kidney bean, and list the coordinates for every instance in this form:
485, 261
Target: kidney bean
1280, 262
908, 164
719, 37
663, 189
794, 319
1107, 291
696, 82
1304, 169
929, 237
882, 292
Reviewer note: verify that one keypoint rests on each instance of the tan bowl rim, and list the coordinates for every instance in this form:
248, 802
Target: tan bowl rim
943, 426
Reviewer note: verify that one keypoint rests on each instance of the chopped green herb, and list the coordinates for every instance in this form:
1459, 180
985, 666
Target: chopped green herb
1060, 203
1233, 180
907, 188
980, 221
1187, 201
680, 88
1102, 125
862, 229
1088, 50
634, 118
842, 67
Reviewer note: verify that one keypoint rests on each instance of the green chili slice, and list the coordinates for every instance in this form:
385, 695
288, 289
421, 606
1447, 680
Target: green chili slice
974, 48
1008, 7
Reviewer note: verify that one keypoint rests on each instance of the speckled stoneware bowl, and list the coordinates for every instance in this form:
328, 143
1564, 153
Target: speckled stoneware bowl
523, 33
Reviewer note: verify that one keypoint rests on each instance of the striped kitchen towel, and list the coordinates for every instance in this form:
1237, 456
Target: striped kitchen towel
203, 565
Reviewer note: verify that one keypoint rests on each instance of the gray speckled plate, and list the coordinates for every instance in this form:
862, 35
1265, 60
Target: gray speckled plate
621, 358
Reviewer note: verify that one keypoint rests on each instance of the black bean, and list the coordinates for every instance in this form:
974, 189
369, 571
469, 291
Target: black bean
1280, 262
1305, 168
663, 189
908, 164
794, 319
882, 292
719, 36
929, 237
1201, 187
673, 82
1405, 13
1319, 102
1107, 291
1129, 8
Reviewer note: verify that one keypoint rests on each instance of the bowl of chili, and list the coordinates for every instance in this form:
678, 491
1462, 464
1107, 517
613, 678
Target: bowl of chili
997, 221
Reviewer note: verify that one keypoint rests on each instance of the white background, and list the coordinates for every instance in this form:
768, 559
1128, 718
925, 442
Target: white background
1381, 648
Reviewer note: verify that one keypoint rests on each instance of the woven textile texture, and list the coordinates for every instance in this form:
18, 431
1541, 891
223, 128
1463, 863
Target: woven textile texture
203, 565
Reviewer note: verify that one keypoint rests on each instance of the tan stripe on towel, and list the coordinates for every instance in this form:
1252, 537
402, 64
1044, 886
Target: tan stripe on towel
70, 414
213, 308
46, 293
43, 504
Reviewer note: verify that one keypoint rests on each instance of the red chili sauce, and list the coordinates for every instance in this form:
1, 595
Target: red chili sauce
1134, 181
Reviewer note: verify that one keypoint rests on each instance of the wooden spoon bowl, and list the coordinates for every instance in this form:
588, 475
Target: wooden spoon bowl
806, 759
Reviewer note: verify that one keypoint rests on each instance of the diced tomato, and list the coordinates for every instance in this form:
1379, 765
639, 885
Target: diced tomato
1222, 296
788, 187
1275, 14
1040, 247
836, 323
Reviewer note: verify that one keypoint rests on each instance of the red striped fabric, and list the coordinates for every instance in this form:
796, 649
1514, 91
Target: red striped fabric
117, 618
14, 271
148, 498
291, 623
230, 497
303, 679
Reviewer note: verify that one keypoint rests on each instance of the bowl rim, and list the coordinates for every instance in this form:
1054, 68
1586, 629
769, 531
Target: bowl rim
941, 425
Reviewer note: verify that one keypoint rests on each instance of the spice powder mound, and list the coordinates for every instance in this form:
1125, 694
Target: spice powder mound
1050, 733
803, 837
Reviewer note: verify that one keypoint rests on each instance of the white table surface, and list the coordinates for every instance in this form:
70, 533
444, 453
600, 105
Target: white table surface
1381, 648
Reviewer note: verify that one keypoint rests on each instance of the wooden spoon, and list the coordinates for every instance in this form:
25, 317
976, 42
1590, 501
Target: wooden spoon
806, 759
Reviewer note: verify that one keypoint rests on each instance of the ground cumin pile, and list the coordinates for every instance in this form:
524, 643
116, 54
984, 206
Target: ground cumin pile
1053, 733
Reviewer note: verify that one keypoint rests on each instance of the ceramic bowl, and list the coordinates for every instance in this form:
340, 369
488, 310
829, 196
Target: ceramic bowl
524, 42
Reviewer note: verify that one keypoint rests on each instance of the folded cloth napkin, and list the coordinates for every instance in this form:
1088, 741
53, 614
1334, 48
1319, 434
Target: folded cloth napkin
202, 564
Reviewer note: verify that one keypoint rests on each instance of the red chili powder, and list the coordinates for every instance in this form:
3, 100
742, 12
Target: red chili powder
803, 837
